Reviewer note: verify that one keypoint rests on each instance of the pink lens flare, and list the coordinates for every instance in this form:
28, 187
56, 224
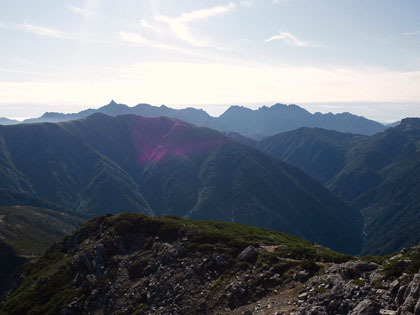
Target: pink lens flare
157, 139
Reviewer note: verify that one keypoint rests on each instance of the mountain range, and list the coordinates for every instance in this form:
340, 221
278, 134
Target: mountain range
376, 174
7, 121
350, 192
106, 163
161, 166
257, 124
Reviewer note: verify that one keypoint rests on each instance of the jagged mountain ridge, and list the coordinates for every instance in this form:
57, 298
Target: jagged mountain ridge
191, 115
280, 118
158, 166
259, 123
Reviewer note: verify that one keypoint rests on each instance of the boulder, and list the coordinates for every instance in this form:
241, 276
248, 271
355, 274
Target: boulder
249, 254
412, 296
366, 307
303, 276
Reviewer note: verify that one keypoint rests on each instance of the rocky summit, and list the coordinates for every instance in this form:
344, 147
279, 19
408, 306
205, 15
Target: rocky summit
135, 264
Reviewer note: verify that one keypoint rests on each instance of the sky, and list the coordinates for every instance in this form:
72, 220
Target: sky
325, 55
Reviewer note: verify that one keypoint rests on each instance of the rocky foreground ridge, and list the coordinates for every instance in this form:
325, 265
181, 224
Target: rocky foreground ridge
359, 287
135, 264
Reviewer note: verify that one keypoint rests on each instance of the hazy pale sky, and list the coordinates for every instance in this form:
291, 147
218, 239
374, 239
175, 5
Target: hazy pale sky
327, 55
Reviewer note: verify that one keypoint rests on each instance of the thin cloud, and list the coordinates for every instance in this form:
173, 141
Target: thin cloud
412, 33
205, 13
53, 33
139, 40
289, 39
182, 31
41, 30
31, 28
179, 25
80, 11
147, 25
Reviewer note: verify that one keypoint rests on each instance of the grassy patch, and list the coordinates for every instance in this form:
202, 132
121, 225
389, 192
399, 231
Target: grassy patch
205, 247
393, 268
377, 259
228, 238
46, 289
283, 266
309, 265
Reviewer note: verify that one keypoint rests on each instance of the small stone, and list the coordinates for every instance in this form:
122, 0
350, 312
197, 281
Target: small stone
302, 296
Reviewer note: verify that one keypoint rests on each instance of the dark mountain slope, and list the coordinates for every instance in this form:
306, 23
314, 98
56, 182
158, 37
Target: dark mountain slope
30, 231
376, 156
382, 178
10, 265
163, 156
320, 153
378, 174
61, 168
257, 124
242, 139
199, 173
264, 192
165, 166
14, 198
27, 232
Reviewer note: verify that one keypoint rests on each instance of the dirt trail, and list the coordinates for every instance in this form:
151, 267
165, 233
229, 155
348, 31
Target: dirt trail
285, 302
